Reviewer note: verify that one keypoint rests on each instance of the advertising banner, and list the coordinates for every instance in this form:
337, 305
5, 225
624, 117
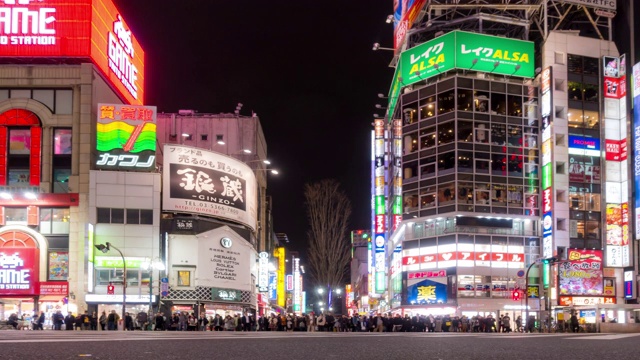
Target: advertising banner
208, 183
636, 147
427, 292
126, 138
58, 265
224, 262
83, 29
19, 271
405, 14
54, 288
582, 274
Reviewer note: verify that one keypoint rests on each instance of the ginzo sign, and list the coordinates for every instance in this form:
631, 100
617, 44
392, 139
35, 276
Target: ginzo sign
208, 183
91, 30
18, 271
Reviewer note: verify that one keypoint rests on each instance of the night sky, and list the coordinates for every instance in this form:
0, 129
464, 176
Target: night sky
305, 67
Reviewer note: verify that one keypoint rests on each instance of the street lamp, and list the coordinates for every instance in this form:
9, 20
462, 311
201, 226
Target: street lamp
545, 261
151, 265
105, 249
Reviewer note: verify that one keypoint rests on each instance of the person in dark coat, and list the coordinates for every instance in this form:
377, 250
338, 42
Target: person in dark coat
69, 321
41, 320
159, 322
128, 322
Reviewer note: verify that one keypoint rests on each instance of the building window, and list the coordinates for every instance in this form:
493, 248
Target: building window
110, 216
61, 141
15, 216
183, 278
140, 216
54, 220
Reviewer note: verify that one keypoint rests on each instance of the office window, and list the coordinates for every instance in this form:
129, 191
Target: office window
140, 216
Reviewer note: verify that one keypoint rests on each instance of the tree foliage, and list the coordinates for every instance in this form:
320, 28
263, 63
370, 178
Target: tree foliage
328, 210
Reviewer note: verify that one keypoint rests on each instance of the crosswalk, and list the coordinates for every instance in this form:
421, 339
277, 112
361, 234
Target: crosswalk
106, 336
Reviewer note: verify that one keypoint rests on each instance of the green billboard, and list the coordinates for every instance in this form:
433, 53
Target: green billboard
461, 50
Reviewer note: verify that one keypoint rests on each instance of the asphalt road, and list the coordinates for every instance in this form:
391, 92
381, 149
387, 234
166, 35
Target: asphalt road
311, 346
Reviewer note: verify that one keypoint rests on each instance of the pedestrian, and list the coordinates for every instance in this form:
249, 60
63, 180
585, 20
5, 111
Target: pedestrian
69, 321
41, 320
94, 321
128, 322
575, 324
506, 323
103, 320
143, 320
57, 320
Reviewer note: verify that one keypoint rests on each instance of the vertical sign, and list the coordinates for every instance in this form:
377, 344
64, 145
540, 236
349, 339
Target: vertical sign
636, 146
396, 205
263, 272
297, 287
547, 163
380, 226
628, 284
614, 87
370, 260
279, 253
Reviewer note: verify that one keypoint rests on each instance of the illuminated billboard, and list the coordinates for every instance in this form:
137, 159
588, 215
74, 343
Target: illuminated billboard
126, 137
636, 146
582, 273
84, 29
405, 14
618, 250
19, 271
462, 50
208, 183
380, 226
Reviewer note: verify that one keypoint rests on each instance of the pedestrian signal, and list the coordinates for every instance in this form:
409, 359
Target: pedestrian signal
515, 295
110, 289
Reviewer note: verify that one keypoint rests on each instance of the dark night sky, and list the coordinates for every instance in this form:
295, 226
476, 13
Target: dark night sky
305, 67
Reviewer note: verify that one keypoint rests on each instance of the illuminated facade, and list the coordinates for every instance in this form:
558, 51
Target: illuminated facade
77, 54
500, 170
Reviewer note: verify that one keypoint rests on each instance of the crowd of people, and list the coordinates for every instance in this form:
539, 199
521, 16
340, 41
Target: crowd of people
327, 322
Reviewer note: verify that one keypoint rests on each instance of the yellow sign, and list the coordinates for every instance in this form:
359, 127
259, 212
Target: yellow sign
427, 293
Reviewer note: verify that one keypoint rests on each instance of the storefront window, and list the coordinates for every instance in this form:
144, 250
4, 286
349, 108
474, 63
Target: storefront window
410, 201
184, 278
481, 133
446, 194
498, 195
482, 194
498, 134
481, 101
514, 195
54, 220
427, 199
465, 193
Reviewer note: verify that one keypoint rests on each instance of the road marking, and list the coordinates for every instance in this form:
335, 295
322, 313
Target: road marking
604, 337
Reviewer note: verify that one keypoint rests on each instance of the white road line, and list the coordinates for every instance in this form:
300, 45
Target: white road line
604, 337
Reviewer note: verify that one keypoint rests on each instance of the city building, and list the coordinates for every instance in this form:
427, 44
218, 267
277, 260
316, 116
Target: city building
504, 144
50, 90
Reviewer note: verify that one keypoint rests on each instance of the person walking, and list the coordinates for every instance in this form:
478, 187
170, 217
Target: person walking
103, 320
41, 320
575, 324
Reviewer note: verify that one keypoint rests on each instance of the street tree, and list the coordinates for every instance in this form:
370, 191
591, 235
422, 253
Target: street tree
328, 210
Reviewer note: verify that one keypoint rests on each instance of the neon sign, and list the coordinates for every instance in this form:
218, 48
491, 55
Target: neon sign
18, 271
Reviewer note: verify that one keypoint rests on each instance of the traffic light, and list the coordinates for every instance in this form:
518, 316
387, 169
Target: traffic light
515, 295
549, 260
110, 289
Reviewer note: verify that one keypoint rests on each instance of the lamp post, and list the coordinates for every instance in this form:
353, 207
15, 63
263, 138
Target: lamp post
105, 248
550, 260
150, 267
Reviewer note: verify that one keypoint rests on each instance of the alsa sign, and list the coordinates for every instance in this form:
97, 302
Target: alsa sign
18, 271
91, 29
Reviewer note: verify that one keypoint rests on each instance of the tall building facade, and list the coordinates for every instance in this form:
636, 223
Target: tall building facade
506, 142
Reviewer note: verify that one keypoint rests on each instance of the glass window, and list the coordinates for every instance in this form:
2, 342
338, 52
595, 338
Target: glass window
498, 134
446, 161
465, 193
428, 170
117, 216
498, 164
427, 199
19, 141
18, 177
575, 118
184, 278
410, 114
446, 194
591, 65
590, 92
146, 217
465, 100
61, 180
498, 104
574, 90
482, 194
446, 133
427, 107
514, 134
514, 195
15, 215
482, 166
481, 133
591, 119
410, 171
481, 101
515, 105
499, 195
410, 143
104, 215
465, 161
515, 165
410, 201
428, 137
530, 137
54, 220
465, 131
574, 64
133, 216
61, 141
446, 102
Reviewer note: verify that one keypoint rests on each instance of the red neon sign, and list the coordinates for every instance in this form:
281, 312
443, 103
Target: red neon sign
82, 29
19, 269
